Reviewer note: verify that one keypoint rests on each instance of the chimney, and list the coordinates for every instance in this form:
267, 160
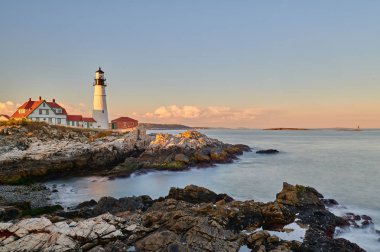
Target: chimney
30, 99
53, 100
40, 98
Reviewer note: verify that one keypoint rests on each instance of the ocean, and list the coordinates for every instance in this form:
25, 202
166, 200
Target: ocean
343, 165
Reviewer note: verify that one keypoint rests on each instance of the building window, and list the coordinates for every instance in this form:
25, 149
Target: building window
50, 120
37, 118
21, 111
77, 124
40, 111
58, 120
43, 105
47, 111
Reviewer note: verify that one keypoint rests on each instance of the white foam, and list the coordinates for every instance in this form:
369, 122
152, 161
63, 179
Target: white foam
366, 238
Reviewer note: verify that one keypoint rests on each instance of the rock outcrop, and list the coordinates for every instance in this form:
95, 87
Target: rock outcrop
179, 152
189, 219
37, 151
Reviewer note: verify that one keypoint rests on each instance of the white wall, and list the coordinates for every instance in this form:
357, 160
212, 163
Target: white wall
100, 112
50, 118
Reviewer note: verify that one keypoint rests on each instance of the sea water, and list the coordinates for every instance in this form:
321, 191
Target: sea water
343, 165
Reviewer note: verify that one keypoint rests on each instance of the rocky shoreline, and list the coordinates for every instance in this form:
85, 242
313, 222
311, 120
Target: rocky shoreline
189, 219
38, 151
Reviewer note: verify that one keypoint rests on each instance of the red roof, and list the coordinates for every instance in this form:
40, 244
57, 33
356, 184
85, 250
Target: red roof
75, 118
5, 116
88, 119
55, 105
124, 119
29, 107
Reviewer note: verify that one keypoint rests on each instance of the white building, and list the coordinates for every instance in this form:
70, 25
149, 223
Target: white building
52, 113
100, 112
42, 110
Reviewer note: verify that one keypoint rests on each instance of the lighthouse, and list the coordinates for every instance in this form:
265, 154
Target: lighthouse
100, 112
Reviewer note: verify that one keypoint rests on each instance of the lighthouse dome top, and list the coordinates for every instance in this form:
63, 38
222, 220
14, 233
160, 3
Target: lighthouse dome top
99, 70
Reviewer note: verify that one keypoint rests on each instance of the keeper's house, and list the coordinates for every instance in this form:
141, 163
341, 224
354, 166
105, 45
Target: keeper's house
50, 112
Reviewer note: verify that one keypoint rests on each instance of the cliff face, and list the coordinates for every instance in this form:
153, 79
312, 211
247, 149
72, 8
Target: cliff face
40, 150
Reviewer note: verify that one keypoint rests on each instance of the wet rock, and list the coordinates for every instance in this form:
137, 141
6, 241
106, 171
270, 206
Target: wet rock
89, 203
112, 205
276, 215
329, 202
299, 196
316, 240
196, 194
269, 151
9, 213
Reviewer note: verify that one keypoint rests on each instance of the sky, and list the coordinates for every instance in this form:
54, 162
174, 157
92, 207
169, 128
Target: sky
253, 64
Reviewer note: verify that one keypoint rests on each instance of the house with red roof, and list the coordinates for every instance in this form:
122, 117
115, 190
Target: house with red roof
41, 110
50, 112
124, 123
4, 118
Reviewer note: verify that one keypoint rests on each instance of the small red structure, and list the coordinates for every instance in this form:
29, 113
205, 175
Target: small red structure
124, 123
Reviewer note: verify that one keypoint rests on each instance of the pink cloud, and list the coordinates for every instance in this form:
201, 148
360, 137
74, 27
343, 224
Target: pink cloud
8, 107
194, 115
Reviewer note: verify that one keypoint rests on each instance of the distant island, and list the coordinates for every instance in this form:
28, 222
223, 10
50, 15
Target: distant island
286, 129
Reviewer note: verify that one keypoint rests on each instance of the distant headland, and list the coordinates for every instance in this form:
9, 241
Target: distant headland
286, 129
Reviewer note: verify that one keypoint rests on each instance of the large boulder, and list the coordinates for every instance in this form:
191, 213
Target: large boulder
196, 194
299, 196
160, 241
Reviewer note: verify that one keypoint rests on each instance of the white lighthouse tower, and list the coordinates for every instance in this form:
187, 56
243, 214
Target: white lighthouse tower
100, 112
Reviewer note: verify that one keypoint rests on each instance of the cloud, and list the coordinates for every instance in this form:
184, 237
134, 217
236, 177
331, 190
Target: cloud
174, 111
212, 115
79, 109
8, 107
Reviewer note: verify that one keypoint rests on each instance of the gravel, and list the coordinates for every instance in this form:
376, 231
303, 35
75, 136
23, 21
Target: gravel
37, 194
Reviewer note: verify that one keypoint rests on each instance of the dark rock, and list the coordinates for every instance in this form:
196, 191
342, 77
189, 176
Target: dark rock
366, 217
316, 240
196, 194
269, 151
276, 215
299, 196
160, 241
329, 202
9, 213
365, 223
112, 205
89, 203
